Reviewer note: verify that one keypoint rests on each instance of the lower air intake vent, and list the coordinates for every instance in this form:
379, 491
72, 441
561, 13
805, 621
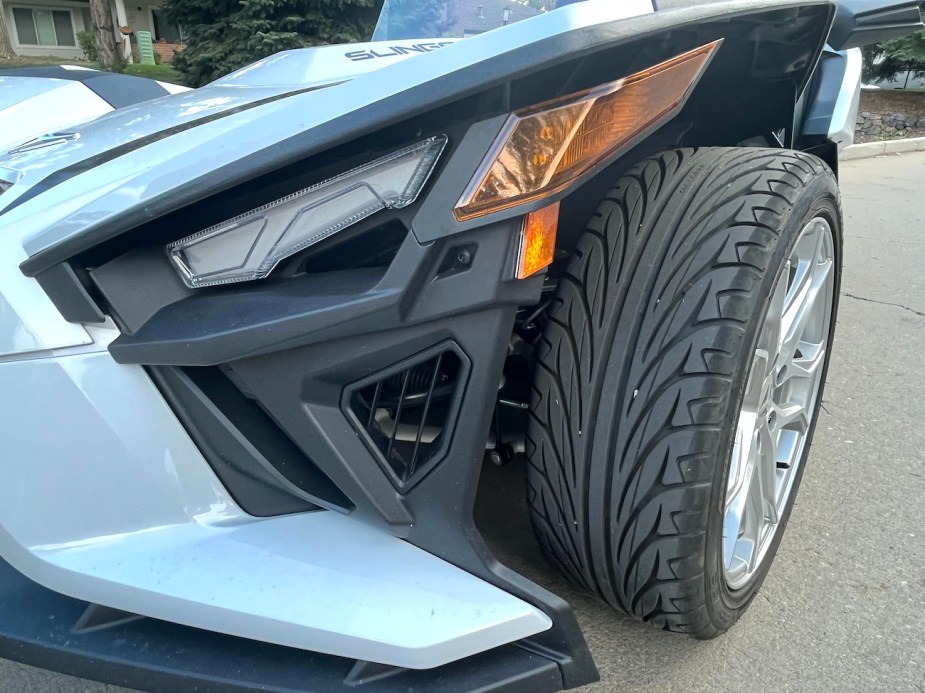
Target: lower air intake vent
406, 413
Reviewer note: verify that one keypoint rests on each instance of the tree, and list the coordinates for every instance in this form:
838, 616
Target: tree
223, 35
883, 61
6, 46
110, 58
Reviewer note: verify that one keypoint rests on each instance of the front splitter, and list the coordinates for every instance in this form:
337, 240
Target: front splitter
41, 628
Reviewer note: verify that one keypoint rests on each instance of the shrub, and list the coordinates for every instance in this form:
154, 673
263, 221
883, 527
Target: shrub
87, 42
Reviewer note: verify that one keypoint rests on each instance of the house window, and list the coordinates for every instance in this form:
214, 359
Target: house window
163, 29
36, 27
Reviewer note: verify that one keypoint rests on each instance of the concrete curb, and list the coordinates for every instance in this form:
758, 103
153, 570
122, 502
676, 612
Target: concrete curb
872, 149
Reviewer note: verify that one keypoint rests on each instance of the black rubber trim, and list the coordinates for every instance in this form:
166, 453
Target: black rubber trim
37, 627
68, 294
402, 105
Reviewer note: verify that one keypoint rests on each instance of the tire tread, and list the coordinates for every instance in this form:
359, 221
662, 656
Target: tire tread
659, 294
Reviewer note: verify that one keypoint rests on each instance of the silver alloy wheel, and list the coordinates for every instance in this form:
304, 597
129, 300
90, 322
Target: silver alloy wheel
780, 399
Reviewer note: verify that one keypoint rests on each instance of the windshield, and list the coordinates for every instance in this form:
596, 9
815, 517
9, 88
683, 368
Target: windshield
418, 19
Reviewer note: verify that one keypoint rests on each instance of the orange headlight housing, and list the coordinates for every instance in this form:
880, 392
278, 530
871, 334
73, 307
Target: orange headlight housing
544, 148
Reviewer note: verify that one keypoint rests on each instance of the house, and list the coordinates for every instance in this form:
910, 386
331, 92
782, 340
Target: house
50, 27
471, 17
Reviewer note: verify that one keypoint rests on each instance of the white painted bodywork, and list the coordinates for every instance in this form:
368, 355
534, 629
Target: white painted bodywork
845, 115
315, 67
32, 106
115, 505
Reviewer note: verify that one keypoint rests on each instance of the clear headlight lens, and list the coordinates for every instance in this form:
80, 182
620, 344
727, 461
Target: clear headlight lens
249, 246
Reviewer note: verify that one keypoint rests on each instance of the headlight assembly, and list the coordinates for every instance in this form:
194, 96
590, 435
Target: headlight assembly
545, 148
250, 245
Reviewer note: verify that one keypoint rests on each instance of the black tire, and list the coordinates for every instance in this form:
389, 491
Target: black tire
641, 374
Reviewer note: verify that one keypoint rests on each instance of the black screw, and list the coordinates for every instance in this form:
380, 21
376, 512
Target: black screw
502, 455
464, 257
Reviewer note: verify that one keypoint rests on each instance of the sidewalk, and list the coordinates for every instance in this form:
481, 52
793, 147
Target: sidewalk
872, 149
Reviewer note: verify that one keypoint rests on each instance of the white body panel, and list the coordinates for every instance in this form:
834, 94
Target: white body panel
308, 68
845, 115
30, 325
33, 106
119, 508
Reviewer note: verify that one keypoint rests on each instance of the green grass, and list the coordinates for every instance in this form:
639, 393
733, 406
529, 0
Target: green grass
163, 73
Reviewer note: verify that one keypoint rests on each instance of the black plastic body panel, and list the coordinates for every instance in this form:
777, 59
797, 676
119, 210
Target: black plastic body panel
863, 22
211, 327
265, 473
37, 627
66, 291
823, 94
140, 282
295, 345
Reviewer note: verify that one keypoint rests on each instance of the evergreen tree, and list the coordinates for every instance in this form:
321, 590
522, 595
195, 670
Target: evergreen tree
886, 60
223, 35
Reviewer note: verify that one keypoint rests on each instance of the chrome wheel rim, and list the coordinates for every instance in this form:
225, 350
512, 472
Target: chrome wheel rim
779, 403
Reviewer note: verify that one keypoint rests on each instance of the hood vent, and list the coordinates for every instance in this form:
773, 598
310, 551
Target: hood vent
406, 414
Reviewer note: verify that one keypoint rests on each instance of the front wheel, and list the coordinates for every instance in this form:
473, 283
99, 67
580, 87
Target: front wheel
679, 378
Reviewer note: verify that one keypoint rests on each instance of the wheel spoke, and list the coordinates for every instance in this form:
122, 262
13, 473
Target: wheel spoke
778, 403
800, 311
771, 336
739, 516
791, 416
767, 473
805, 362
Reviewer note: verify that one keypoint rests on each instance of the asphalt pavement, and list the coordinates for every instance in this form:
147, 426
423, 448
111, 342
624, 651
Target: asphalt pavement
843, 608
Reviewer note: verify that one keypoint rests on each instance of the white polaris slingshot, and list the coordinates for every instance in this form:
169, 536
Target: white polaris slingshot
257, 341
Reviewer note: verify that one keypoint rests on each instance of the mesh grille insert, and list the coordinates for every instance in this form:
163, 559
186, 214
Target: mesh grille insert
407, 414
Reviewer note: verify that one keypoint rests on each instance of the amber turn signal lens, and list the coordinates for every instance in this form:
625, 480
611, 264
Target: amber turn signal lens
543, 149
538, 241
